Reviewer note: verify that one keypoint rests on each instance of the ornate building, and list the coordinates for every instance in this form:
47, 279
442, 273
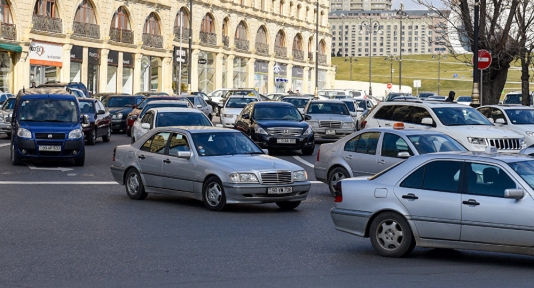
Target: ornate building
128, 45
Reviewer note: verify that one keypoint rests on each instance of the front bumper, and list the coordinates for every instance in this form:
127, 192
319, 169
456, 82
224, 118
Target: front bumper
272, 141
332, 134
70, 149
228, 122
257, 193
5, 127
118, 124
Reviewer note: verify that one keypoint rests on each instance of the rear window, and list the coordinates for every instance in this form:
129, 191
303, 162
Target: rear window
513, 99
118, 101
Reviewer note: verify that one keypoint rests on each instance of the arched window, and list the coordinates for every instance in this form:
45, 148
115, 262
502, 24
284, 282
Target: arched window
120, 30
322, 47
152, 32
207, 30
261, 41
241, 40
297, 42
181, 24
5, 13
280, 39
46, 17
226, 40
85, 21
46, 8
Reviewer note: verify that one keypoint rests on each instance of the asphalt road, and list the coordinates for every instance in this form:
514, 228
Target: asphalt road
65, 226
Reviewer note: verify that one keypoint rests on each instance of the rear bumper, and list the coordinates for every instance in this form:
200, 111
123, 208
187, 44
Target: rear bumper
271, 142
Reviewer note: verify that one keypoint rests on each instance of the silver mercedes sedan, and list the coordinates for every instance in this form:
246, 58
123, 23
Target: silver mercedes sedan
218, 166
456, 200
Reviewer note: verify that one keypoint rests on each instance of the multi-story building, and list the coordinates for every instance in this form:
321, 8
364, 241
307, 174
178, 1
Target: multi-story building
352, 5
358, 33
129, 45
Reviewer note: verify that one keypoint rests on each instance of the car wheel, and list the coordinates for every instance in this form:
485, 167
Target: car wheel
213, 194
391, 235
210, 116
335, 175
80, 161
134, 185
92, 138
15, 157
308, 150
107, 137
133, 140
288, 205
357, 126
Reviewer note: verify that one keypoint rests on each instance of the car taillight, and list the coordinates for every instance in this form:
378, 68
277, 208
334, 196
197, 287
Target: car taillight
363, 124
318, 154
114, 151
338, 195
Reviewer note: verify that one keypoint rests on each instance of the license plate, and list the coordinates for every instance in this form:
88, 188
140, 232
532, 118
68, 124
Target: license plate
286, 141
330, 132
279, 190
49, 148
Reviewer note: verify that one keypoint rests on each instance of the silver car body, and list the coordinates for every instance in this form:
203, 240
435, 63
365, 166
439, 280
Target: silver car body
459, 204
5, 112
232, 107
326, 125
512, 118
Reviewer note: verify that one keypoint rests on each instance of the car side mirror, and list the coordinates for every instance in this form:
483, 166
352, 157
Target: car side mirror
220, 105
500, 102
183, 154
499, 121
427, 121
514, 193
491, 120
101, 112
9, 118
307, 117
85, 119
145, 126
403, 154
134, 106
353, 114
199, 106
245, 116
359, 109
266, 151
219, 125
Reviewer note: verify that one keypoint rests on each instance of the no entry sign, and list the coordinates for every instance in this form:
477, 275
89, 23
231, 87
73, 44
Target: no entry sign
484, 59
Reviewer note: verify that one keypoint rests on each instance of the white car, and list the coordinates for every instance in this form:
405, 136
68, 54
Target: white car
299, 101
162, 117
512, 117
232, 107
466, 100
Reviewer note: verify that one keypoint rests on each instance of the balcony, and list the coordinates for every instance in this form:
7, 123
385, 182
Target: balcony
121, 35
86, 30
185, 33
262, 48
226, 41
241, 44
208, 38
8, 31
298, 54
152, 40
310, 56
280, 51
321, 58
48, 24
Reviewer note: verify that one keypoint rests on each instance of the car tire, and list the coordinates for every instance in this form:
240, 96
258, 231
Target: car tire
15, 157
213, 194
133, 140
335, 175
391, 235
308, 150
92, 138
80, 161
210, 116
357, 126
288, 205
134, 185
107, 137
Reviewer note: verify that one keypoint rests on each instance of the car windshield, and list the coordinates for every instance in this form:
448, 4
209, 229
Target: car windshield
180, 104
513, 99
239, 102
299, 103
525, 169
285, 112
182, 119
224, 143
520, 116
126, 101
328, 108
457, 116
9, 104
49, 110
350, 105
87, 107
435, 143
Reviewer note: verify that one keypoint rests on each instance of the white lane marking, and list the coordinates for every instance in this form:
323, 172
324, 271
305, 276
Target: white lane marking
49, 168
57, 183
303, 161
7, 144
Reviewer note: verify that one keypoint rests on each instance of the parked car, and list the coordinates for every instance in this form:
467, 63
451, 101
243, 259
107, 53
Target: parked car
119, 106
372, 150
74, 85
513, 98
4, 97
299, 101
466, 200
463, 123
512, 117
277, 96
151, 93
99, 120
354, 110
393, 95
466, 100
213, 104
166, 116
424, 95
276, 126
200, 104
210, 164
232, 107
5, 113
101, 96
329, 119
185, 103
225, 93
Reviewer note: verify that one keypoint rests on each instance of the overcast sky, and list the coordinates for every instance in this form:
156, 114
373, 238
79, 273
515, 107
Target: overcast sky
410, 5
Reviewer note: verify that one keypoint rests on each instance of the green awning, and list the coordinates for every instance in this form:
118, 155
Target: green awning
11, 47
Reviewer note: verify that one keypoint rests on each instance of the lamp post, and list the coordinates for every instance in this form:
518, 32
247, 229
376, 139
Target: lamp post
350, 59
401, 13
390, 58
371, 27
439, 67
475, 94
317, 49
189, 48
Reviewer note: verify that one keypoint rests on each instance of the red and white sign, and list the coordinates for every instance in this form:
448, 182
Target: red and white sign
389, 85
484, 59
46, 54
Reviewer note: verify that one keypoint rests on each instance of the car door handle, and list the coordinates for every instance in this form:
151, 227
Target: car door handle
166, 161
141, 156
471, 202
410, 196
381, 161
348, 157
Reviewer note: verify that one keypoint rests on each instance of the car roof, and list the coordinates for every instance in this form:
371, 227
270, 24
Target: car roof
197, 129
424, 103
175, 109
44, 91
87, 99
509, 106
326, 101
405, 131
472, 155
271, 103
167, 101
297, 97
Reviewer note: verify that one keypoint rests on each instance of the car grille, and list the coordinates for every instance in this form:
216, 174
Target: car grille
330, 124
277, 177
52, 143
285, 131
504, 143
53, 135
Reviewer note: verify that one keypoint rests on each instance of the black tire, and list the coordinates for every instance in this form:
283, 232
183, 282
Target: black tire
213, 194
308, 150
80, 161
107, 137
92, 137
288, 205
391, 235
134, 185
210, 117
133, 140
15, 157
335, 175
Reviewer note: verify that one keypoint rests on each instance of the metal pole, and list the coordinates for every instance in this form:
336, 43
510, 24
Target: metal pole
317, 49
481, 87
370, 56
475, 95
190, 56
400, 54
180, 64
350, 68
391, 70
439, 70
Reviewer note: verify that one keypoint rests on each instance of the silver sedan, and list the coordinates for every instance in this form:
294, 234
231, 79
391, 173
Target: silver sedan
218, 166
461, 200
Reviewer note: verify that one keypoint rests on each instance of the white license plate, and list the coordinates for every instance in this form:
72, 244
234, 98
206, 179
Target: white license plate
286, 141
279, 190
330, 132
49, 148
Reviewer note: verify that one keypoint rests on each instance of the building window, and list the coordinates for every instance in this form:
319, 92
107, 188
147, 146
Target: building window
207, 24
46, 8
152, 25
5, 13
85, 13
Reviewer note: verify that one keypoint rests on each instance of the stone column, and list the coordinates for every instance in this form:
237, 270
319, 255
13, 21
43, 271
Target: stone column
119, 73
85, 66
289, 77
194, 70
305, 88
218, 71
21, 67
138, 67
270, 78
65, 69
250, 73
103, 73
230, 71
166, 70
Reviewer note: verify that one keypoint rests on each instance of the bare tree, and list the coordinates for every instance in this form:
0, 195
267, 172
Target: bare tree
525, 21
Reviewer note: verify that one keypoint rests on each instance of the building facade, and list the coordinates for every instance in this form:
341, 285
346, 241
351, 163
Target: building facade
354, 5
385, 33
127, 46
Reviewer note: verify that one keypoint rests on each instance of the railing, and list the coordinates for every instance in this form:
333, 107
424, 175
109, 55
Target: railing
9, 31
321, 58
121, 35
87, 30
45, 23
185, 33
298, 54
262, 48
208, 38
226, 41
241, 44
310, 56
152, 40
280, 51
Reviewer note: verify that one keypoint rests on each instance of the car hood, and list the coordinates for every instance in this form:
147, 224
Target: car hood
116, 110
484, 131
55, 127
281, 123
333, 117
243, 163
233, 111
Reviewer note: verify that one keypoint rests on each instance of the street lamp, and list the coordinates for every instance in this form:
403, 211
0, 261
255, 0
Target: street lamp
370, 27
401, 13
316, 49
190, 50
475, 94
439, 66
390, 57
350, 59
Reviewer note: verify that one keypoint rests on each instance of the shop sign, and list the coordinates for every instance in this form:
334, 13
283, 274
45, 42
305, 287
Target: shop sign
127, 60
298, 72
94, 56
76, 54
202, 61
46, 54
113, 58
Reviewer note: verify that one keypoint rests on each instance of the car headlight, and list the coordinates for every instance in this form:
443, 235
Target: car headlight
24, 133
75, 134
476, 140
348, 124
308, 131
521, 141
243, 178
530, 134
313, 124
300, 175
259, 130
228, 115
119, 115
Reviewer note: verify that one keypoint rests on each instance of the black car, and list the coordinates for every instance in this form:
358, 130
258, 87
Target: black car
213, 104
75, 85
99, 120
276, 126
119, 106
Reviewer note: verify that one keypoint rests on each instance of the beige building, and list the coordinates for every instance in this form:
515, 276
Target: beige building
129, 45
346, 5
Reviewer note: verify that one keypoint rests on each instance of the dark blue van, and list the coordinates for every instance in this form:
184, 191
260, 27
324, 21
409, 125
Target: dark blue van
46, 125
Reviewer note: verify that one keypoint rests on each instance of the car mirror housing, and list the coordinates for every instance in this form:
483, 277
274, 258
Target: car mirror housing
85, 119
245, 116
514, 193
9, 118
184, 154
145, 126
403, 154
307, 117
499, 121
427, 121
101, 112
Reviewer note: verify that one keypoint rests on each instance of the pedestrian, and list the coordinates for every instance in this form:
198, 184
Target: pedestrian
33, 85
298, 92
451, 97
